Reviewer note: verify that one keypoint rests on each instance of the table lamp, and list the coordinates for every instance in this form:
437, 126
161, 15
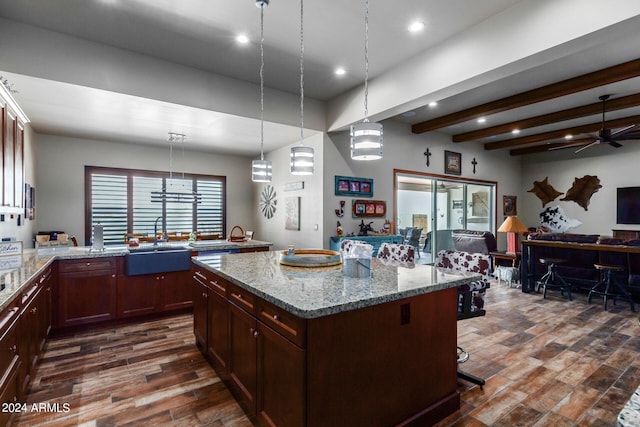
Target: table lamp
512, 226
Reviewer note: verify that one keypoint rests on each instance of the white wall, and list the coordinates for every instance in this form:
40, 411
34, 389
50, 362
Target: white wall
311, 202
404, 150
615, 167
10, 227
60, 163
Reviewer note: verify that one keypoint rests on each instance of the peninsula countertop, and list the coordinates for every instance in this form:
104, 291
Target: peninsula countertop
315, 292
17, 270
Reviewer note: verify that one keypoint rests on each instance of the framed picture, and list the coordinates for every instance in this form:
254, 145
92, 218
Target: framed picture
292, 213
369, 208
509, 206
352, 186
452, 163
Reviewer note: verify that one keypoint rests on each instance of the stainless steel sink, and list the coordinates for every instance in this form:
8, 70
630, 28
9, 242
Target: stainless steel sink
158, 259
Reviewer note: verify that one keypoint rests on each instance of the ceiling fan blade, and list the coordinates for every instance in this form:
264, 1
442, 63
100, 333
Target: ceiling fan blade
596, 142
623, 131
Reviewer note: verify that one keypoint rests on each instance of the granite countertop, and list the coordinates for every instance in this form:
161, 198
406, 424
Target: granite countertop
630, 414
316, 292
17, 270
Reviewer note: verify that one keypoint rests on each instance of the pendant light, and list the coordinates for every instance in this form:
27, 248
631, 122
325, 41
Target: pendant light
302, 158
173, 193
366, 137
261, 169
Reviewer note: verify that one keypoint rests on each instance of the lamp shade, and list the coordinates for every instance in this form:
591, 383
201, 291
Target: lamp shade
512, 225
302, 158
366, 141
261, 171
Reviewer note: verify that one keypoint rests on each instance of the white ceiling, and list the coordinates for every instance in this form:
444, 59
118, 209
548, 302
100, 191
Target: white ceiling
199, 34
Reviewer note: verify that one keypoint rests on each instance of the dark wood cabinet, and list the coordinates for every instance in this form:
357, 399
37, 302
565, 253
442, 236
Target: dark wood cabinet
138, 295
10, 363
626, 234
12, 157
175, 290
255, 347
87, 290
243, 356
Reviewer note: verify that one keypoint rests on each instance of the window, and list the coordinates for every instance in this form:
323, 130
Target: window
120, 200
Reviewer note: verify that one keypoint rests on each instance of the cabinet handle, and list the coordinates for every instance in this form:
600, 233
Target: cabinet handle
254, 332
13, 348
113, 275
276, 317
88, 264
205, 295
200, 275
34, 310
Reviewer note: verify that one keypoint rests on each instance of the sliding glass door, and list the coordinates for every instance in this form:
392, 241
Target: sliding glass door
438, 205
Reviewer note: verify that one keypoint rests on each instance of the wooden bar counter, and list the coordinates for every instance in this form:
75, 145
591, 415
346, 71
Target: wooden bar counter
311, 347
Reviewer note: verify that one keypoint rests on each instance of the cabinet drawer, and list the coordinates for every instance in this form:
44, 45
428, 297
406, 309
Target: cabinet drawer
241, 297
87, 264
283, 322
8, 343
213, 282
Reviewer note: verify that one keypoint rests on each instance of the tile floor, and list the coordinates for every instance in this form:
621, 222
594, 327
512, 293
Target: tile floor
547, 362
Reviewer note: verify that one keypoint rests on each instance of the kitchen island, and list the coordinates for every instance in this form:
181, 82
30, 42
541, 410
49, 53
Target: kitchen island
311, 347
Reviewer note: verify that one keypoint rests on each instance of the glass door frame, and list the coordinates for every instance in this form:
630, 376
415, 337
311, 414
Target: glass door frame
493, 216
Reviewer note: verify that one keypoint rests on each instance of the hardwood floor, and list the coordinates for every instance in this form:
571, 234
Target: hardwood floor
547, 362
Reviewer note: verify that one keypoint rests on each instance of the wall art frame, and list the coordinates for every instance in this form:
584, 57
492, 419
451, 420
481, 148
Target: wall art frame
368, 208
352, 186
509, 207
292, 213
452, 163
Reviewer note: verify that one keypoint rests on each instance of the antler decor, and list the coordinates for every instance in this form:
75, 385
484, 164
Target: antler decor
545, 192
582, 190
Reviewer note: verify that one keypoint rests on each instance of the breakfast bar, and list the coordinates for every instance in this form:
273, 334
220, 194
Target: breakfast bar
309, 346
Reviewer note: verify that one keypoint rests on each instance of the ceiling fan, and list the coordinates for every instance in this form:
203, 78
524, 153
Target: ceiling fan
605, 135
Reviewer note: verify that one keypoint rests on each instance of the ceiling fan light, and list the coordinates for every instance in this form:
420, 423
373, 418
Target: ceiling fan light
302, 159
261, 171
366, 141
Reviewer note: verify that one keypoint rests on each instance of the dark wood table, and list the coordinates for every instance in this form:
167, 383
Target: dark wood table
498, 257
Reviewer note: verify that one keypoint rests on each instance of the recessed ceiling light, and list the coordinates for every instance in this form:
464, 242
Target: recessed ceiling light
416, 27
515, 131
569, 136
482, 120
433, 104
242, 39
340, 71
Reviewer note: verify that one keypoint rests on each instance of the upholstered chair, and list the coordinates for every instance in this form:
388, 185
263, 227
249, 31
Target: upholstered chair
397, 254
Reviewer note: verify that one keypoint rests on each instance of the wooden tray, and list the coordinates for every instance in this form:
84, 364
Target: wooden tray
310, 258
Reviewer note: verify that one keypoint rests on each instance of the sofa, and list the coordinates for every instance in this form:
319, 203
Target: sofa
471, 241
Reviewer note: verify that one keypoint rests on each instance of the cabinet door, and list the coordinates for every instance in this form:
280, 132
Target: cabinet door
242, 355
200, 307
138, 295
281, 384
175, 291
86, 298
218, 332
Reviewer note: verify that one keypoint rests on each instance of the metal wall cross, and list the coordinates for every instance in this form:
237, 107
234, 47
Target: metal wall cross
428, 156
474, 163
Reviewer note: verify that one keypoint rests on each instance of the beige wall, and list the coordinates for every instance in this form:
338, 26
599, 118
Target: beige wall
60, 164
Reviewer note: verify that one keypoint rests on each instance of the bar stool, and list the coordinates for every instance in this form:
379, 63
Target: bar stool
610, 286
552, 277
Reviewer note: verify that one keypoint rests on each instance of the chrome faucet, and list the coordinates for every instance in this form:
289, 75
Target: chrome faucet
155, 231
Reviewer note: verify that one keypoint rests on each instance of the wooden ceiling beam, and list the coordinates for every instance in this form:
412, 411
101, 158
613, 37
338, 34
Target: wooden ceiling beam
591, 80
545, 119
561, 133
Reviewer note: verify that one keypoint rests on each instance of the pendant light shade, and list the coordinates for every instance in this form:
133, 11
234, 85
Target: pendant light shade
366, 137
302, 158
261, 169
366, 141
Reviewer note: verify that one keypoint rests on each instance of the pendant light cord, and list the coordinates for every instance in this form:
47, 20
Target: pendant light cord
366, 60
301, 72
262, 82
